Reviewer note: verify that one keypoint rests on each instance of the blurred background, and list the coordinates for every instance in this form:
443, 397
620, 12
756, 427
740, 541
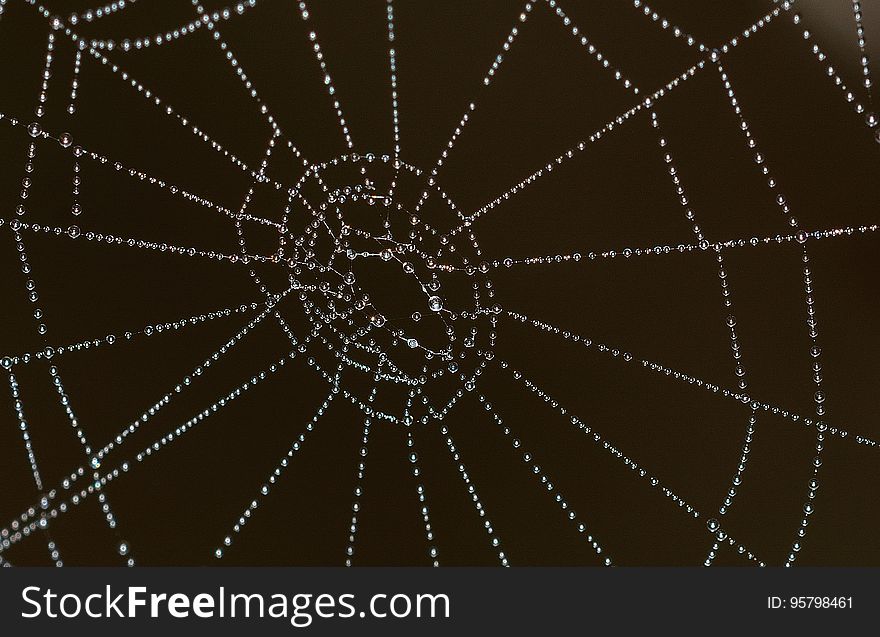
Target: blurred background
548, 94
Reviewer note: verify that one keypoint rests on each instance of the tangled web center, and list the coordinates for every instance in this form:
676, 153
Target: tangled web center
405, 310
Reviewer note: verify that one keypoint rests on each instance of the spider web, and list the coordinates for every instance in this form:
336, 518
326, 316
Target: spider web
606, 355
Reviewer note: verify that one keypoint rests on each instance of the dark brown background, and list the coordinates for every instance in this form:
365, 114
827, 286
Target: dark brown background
176, 508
